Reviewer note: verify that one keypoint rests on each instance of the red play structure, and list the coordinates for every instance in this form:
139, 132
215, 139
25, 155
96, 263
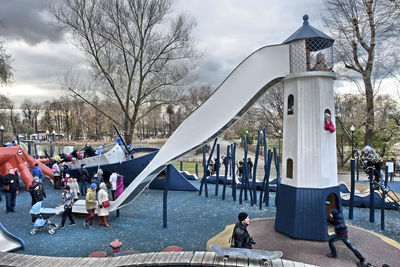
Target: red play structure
16, 157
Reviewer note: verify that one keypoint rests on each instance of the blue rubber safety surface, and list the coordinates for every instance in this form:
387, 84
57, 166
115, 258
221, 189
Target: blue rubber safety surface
192, 220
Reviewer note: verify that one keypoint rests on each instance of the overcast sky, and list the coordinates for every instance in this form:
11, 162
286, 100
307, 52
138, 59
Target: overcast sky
227, 31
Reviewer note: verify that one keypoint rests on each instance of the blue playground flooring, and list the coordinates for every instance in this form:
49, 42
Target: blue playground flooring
192, 220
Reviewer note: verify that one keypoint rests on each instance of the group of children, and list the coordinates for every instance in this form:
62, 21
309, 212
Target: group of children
94, 198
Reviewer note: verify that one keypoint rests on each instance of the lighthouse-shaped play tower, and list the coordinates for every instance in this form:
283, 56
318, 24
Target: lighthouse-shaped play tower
309, 187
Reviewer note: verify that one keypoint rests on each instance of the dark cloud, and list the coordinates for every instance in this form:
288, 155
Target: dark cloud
28, 20
209, 72
41, 53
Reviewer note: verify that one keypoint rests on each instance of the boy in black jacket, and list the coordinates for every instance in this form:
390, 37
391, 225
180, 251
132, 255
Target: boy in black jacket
341, 234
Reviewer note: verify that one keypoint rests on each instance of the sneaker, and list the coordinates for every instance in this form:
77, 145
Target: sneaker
85, 225
330, 255
62, 227
91, 226
72, 224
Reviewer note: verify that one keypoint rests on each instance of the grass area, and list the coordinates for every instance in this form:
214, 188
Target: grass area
189, 166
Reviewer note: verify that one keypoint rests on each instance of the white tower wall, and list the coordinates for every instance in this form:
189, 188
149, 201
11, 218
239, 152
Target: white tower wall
304, 139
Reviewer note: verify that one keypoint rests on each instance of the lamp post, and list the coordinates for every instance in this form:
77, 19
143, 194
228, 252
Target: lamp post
352, 166
2, 130
352, 129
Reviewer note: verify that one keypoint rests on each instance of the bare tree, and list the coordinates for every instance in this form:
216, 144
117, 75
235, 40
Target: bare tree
194, 98
5, 67
137, 52
31, 113
268, 111
366, 34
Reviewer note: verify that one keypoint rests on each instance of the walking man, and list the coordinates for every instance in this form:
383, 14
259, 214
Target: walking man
10, 188
341, 233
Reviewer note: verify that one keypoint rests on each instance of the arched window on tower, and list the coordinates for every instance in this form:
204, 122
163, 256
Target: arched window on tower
290, 105
328, 124
289, 168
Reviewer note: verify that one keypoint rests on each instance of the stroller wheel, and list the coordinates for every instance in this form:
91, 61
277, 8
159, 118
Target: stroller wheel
52, 231
56, 226
33, 231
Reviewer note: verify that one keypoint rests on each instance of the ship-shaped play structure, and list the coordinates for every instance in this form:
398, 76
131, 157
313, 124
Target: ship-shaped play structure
113, 158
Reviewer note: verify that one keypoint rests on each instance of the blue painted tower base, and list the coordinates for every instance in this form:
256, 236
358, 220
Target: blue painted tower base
302, 212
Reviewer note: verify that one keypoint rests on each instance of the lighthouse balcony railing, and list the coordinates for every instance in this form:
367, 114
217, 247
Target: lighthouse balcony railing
310, 55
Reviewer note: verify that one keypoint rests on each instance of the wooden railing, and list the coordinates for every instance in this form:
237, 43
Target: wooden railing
184, 258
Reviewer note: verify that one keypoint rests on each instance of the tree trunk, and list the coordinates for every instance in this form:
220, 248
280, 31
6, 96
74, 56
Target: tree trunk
369, 95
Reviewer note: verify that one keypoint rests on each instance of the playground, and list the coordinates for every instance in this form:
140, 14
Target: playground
307, 192
192, 221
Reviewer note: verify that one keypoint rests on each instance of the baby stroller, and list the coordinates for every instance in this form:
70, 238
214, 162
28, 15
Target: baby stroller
42, 216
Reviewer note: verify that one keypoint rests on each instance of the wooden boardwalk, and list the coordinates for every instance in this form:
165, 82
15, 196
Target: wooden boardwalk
182, 258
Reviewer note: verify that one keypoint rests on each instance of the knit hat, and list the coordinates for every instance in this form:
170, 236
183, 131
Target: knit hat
367, 149
327, 115
335, 212
93, 186
242, 216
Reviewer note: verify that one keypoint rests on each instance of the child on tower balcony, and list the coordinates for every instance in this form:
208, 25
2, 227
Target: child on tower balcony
320, 63
328, 125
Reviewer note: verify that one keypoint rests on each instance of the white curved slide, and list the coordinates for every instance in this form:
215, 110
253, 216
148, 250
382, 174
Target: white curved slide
8, 241
247, 82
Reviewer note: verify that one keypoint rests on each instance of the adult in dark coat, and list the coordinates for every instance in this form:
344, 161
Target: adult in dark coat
341, 233
10, 187
37, 192
84, 179
240, 236
249, 166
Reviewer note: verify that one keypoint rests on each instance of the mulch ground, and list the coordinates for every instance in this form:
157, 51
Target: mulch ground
372, 247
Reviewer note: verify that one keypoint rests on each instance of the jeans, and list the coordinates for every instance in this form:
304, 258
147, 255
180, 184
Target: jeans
346, 241
10, 200
67, 212
83, 187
